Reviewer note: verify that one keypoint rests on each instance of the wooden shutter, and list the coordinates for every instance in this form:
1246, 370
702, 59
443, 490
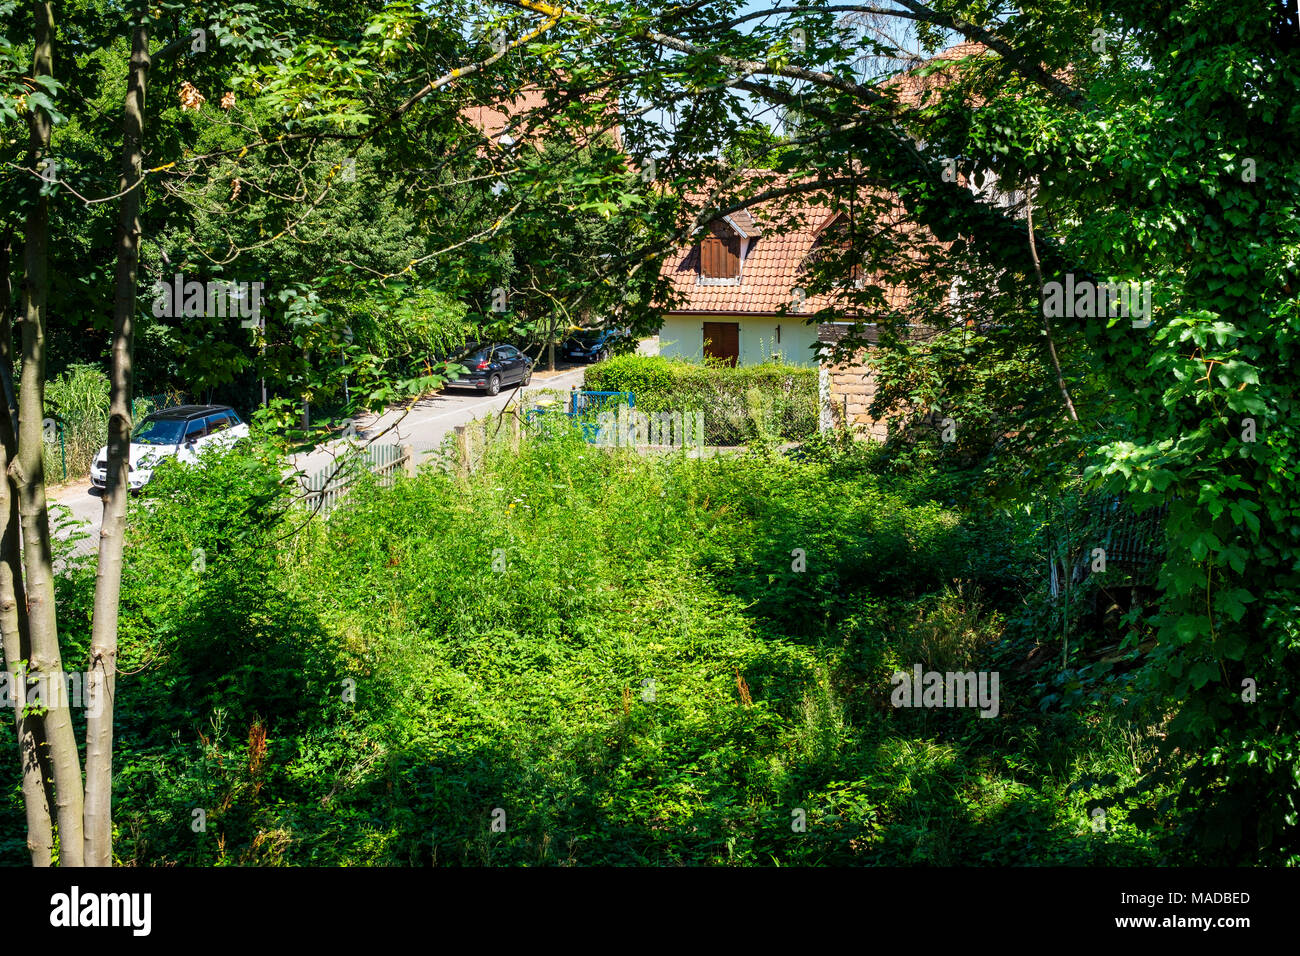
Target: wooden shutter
709, 258
731, 257
720, 255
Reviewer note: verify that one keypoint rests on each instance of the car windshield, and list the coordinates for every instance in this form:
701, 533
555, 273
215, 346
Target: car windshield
588, 338
159, 431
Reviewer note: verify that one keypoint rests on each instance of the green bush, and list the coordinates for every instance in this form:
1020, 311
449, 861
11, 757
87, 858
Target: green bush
740, 404
651, 378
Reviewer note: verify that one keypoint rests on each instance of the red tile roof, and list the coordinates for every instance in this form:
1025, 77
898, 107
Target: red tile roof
493, 119
524, 116
775, 262
913, 86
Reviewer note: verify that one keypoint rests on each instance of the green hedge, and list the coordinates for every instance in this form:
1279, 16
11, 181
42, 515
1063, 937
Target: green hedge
739, 404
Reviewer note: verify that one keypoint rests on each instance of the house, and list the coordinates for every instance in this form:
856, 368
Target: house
740, 292
741, 296
740, 285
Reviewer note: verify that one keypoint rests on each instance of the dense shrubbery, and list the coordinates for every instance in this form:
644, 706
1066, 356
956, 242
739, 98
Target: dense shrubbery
739, 404
617, 652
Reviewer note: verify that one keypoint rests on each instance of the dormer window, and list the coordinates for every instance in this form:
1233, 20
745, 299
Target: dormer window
724, 247
720, 255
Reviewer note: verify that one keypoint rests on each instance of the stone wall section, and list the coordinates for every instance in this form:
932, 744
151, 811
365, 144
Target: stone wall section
847, 391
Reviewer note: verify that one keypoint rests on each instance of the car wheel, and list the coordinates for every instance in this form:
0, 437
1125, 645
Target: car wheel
494, 385
602, 355
528, 377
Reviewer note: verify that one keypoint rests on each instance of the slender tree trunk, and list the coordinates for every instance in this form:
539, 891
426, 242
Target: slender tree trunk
1047, 321
28, 470
102, 678
552, 331
32, 754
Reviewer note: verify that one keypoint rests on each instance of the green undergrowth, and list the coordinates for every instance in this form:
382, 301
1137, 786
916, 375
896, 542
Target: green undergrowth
581, 656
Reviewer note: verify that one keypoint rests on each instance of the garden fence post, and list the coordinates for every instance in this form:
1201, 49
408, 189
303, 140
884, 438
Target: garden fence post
462, 448
408, 452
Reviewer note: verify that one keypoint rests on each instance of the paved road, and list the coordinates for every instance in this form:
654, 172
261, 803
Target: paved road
423, 425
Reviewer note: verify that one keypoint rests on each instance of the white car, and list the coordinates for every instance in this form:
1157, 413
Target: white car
181, 432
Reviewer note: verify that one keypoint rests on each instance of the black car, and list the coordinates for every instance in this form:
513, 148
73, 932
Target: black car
490, 366
593, 345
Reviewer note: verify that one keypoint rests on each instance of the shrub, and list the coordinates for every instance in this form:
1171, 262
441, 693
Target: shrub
740, 404
652, 378
948, 633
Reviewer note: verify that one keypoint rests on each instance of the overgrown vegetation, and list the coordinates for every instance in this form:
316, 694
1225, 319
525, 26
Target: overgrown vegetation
617, 652
328, 153
77, 401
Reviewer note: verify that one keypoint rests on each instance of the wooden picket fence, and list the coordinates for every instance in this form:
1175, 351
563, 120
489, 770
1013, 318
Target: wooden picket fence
329, 486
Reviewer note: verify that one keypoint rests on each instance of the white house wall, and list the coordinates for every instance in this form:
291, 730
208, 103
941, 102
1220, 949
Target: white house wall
683, 337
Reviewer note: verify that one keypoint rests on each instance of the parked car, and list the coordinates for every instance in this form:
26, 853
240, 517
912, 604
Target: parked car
182, 432
593, 345
490, 366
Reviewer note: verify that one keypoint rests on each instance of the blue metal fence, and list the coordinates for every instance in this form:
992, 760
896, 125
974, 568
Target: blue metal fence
584, 405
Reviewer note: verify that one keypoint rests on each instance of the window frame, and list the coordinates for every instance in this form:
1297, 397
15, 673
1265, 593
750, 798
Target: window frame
219, 422
202, 432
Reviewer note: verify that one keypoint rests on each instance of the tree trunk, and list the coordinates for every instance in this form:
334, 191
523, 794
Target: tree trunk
28, 470
102, 676
1047, 320
32, 752
14, 639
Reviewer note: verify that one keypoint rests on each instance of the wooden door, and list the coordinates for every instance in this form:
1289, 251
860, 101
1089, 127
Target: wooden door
722, 340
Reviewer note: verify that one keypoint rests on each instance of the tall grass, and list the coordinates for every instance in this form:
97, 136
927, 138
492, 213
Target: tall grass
79, 399
78, 402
